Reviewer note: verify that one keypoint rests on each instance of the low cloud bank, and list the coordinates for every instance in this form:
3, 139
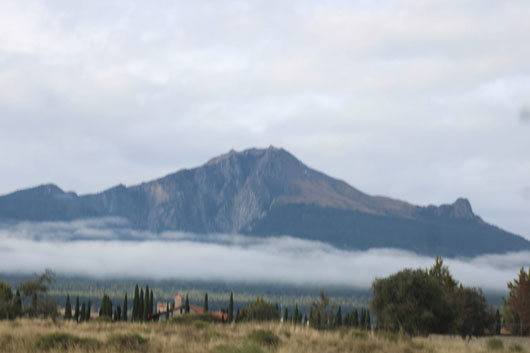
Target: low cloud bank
97, 248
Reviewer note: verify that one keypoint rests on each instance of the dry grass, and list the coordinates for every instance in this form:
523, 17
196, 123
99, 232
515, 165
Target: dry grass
43, 335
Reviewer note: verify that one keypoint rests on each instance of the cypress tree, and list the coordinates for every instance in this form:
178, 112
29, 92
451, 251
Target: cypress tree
141, 306
355, 319
205, 307
136, 304
339, 316
146, 304
18, 305
497, 322
230, 308
187, 305
295, 315
124, 312
34, 305
167, 311
76, 312
88, 310
118, 313
318, 319
362, 321
368, 320
67, 308
82, 314
151, 302
285, 315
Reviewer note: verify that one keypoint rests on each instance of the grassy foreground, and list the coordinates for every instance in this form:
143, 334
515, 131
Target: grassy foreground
198, 336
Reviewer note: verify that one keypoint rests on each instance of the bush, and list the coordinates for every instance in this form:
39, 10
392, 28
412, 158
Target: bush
200, 324
127, 341
250, 348
192, 318
265, 338
515, 348
63, 341
494, 344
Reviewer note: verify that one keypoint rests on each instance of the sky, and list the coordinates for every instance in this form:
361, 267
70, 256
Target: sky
424, 101
278, 260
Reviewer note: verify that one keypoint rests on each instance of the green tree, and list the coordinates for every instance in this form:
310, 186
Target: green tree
17, 310
498, 323
410, 301
151, 302
141, 306
518, 300
67, 309
355, 318
296, 315
6, 301
88, 310
362, 321
339, 316
230, 307
118, 313
205, 307
187, 305
442, 274
321, 312
167, 311
82, 314
136, 303
124, 312
473, 317
285, 315
260, 310
76, 312
146, 303
368, 320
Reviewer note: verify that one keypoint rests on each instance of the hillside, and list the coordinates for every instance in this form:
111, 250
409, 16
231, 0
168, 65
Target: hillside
264, 192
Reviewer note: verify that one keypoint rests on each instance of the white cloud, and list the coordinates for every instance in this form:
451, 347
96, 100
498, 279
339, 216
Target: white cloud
31, 247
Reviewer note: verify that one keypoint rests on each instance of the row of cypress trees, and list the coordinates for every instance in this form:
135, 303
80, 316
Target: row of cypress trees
142, 304
81, 313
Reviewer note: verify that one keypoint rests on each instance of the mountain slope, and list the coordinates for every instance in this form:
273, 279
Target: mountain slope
263, 192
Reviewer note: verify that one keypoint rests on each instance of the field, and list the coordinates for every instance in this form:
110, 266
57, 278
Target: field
199, 336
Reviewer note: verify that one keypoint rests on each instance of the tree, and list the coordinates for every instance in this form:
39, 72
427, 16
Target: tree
141, 306
339, 316
355, 318
82, 314
205, 307
151, 300
441, 273
260, 310
167, 311
17, 310
67, 309
473, 317
285, 315
88, 310
321, 314
187, 305
118, 313
124, 312
146, 304
410, 301
76, 313
498, 324
136, 304
362, 321
518, 300
6, 301
296, 315
368, 320
230, 307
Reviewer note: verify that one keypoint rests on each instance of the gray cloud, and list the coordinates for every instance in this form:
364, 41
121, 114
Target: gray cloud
222, 257
402, 98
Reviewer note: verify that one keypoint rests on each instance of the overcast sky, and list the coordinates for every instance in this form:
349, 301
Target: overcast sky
424, 101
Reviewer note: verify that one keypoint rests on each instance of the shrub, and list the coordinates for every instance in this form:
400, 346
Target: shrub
127, 341
357, 334
200, 324
63, 341
494, 344
192, 318
515, 348
249, 348
265, 338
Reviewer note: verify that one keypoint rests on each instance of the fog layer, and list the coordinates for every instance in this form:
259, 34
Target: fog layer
97, 248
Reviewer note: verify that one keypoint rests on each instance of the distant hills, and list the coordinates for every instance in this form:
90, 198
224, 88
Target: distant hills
268, 192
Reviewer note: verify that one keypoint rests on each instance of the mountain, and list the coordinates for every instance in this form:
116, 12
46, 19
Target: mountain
268, 192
